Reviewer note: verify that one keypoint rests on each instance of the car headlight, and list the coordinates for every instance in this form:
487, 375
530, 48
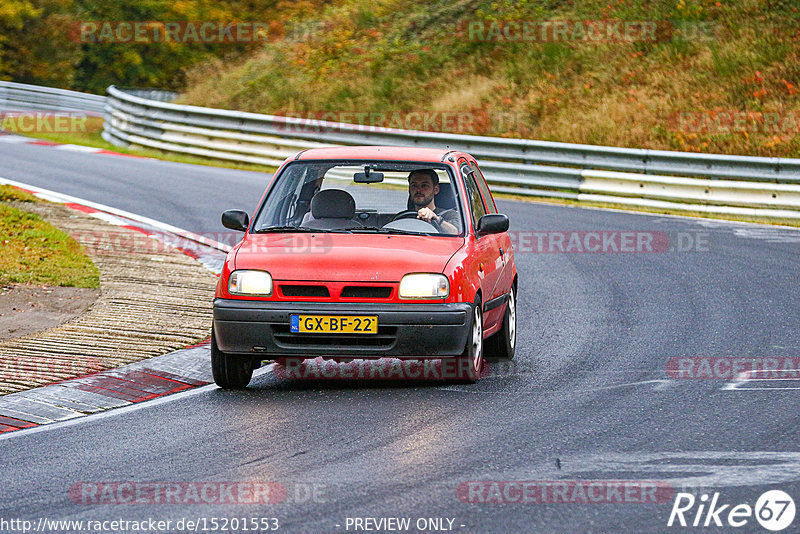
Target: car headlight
424, 286
246, 282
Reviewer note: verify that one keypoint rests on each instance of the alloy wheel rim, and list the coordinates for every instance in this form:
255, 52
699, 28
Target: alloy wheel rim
477, 335
512, 320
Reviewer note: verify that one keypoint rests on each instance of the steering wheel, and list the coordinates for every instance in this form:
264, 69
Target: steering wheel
412, 214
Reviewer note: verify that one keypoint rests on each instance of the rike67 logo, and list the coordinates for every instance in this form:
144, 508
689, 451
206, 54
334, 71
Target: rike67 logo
774, 510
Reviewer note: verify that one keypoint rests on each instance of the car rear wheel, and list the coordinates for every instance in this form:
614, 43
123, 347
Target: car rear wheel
470, 363
501, 346
229, 371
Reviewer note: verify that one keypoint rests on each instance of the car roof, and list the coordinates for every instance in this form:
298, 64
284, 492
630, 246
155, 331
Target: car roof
395, 153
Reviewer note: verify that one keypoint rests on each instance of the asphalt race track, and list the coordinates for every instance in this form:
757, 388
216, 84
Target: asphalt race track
589, 396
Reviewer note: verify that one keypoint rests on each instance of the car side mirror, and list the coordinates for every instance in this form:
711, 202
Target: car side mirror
493, 223
236, 220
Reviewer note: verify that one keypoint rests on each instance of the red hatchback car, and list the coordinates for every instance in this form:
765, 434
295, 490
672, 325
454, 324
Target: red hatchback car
367, 253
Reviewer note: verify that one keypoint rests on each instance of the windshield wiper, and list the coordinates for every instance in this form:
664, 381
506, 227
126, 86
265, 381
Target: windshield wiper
278, 229
378, 230
269, 229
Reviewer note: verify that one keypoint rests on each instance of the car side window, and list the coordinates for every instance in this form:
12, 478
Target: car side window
473, 195
487, 196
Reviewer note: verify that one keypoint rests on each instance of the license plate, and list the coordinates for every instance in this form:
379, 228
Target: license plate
334, 324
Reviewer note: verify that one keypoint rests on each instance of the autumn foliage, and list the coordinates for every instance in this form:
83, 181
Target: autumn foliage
710, 61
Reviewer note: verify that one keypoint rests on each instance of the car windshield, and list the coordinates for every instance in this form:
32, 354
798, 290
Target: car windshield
362, 197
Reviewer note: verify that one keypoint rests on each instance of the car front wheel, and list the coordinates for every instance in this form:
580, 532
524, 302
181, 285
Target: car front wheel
230, 372
470, 363
501, 346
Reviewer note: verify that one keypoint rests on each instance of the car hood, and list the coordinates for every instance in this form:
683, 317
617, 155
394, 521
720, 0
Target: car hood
345, 257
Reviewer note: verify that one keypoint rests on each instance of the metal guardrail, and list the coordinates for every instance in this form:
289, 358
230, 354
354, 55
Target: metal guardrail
768, 187
153, 94
758, 186
24, 97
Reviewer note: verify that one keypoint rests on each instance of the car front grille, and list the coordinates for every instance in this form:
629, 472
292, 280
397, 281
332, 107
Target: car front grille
324, 292
296, 290
367, 292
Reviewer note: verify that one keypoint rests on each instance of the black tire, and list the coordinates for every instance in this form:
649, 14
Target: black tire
502, 345
229, 371
470, 364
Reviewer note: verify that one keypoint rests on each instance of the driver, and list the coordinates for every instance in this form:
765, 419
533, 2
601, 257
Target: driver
423, 185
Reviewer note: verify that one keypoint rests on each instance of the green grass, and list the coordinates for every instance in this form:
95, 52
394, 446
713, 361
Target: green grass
12, 194
33, 251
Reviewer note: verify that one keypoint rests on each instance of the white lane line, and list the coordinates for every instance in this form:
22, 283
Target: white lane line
660, 384
78, 148
740, 383
767, 389
769, 234
113, 412
14, 139
62, 198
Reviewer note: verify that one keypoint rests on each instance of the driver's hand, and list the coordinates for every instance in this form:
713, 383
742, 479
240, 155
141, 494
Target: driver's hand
426, 214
